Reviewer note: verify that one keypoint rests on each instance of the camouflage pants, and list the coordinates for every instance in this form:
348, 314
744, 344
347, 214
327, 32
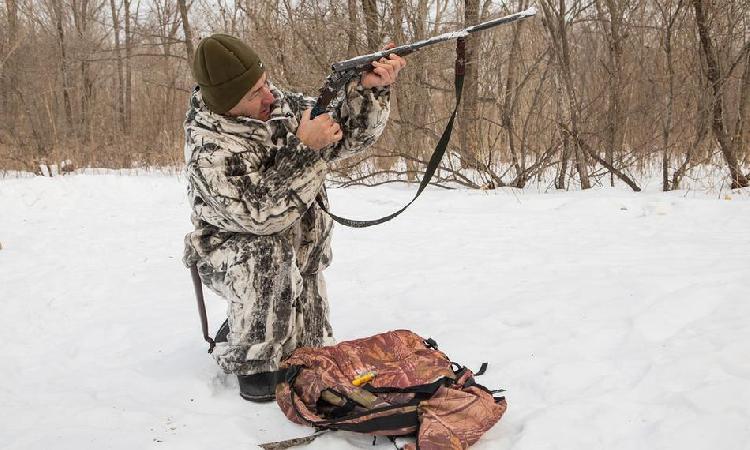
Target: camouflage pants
273, 308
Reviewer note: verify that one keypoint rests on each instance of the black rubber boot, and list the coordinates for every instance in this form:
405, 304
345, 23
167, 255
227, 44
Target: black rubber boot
260, 387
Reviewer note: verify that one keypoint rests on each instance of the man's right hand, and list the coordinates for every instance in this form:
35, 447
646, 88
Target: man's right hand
320, 132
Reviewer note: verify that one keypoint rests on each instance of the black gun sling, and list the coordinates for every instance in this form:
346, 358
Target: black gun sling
436, 157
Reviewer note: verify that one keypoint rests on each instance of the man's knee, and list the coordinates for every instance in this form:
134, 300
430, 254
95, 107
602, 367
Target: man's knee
246, 260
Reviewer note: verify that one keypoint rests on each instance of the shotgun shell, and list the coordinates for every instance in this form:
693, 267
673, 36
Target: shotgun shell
364, 378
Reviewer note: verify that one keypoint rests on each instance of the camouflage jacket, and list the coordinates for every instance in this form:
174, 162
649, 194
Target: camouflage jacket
251, 177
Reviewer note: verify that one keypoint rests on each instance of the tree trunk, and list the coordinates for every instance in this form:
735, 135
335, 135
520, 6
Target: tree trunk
187, 31
128, 69
565, 140
727, 144
351, 30
80, 17
9, 82
557, 26
169, 73
614, 36
405, 100
739, 128
413, 102
120, 86
57, 10
508, 114
370, 9
668, 21
667, 124
468, 114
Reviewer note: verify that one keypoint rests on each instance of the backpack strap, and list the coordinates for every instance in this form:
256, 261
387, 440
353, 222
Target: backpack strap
428, 389
406, 418
289, 443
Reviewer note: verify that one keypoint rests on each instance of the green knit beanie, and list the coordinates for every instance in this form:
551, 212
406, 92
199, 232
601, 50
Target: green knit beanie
225, 68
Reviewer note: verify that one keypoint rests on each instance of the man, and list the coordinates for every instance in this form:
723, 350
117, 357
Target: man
255, 163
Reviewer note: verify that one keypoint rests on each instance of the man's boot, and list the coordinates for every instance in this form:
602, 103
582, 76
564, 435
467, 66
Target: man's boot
260, 387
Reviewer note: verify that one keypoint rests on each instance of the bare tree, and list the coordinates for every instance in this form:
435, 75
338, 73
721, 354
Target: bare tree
59, 27
351, 30
730, 142
468, 115
668, 17
370, 9
119, 96
83, 12
187, 31
8, 65
612, 19
557, 25
128, 103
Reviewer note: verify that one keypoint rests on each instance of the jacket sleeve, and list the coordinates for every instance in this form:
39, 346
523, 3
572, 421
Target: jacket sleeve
233, 192
362, 114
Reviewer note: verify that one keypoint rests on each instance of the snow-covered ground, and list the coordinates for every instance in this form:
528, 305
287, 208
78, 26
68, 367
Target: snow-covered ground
615, 320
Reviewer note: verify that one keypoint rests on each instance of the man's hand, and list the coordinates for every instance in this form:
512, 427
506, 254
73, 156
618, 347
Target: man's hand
385, 71
320, 132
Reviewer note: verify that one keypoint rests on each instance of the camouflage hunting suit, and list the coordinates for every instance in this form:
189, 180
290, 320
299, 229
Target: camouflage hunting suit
260, 240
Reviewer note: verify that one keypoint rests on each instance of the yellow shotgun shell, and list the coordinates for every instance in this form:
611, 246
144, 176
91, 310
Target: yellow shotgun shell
364, 378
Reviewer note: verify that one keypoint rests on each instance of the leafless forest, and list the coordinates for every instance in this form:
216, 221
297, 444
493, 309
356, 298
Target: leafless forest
587, 92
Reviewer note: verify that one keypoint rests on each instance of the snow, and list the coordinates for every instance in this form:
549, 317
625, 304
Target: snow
614, 319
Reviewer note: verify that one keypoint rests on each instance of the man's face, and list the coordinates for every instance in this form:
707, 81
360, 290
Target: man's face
256, 103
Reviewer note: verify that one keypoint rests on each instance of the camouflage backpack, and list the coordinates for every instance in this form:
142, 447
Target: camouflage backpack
391, 384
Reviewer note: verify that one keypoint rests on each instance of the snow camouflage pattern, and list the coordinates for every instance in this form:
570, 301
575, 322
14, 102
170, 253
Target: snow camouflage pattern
260, 239
455, 414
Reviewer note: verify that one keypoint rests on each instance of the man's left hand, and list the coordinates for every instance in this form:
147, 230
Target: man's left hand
385, 71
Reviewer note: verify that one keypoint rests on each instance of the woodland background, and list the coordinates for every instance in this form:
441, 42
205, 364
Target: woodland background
588, 92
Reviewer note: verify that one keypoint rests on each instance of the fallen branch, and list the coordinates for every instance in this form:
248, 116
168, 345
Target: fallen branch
589, 151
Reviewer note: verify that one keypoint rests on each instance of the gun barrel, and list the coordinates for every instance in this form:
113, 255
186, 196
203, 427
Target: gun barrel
363, 62
502, 20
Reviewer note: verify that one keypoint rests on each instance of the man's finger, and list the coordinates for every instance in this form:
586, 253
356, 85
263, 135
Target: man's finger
323, 118
401, 61
382, 73
392, 65
387, 67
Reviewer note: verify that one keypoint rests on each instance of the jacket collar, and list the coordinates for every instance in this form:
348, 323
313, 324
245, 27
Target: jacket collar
204, 117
